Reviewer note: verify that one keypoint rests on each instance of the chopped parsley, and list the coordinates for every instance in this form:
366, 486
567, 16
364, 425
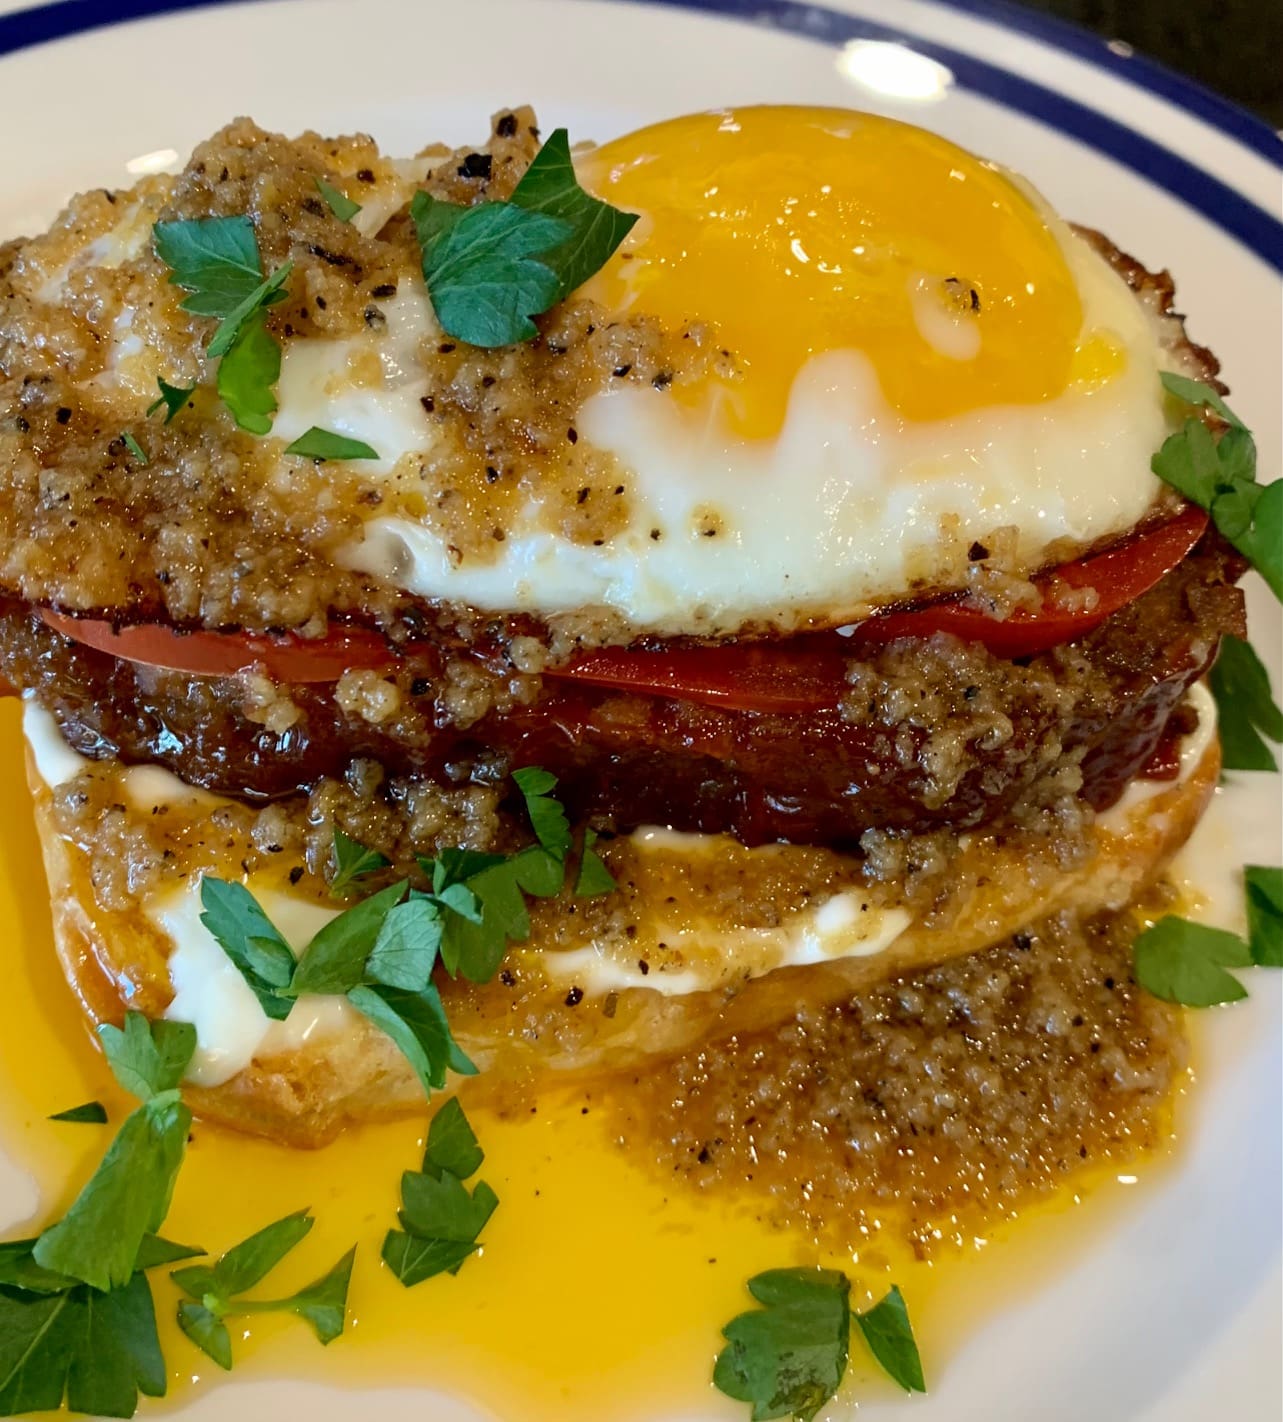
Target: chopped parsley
217, 260
214, 1291
77, 1322
1247, 714
172, 397
491, 268
593, 877
317, 443
352, 860
1219, 475
889, 1334
788, 1358
1265, 915
382, 951
1186, 962
135, 449
441, 1220
92, 1113
338, 203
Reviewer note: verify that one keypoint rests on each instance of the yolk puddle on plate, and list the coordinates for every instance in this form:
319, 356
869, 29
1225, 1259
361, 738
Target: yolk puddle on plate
598, 1291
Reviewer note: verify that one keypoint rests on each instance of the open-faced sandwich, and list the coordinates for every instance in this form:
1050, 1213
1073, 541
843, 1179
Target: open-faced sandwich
522, 613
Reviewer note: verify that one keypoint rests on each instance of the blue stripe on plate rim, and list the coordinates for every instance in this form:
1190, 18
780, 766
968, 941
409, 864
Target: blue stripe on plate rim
1138, 69
1215, 200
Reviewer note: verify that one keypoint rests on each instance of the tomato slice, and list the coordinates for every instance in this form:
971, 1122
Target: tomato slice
807, 672
799, 674
287, 658
1119, 576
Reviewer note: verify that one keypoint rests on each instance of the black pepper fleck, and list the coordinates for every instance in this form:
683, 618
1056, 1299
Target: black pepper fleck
476, 165
574, 997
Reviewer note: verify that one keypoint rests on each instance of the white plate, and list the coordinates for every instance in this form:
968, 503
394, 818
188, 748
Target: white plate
1174, 1312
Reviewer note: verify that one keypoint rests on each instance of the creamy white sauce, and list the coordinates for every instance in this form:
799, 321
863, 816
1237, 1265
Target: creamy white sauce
326, 383
56, 762
844, 925
209, 991
147, 787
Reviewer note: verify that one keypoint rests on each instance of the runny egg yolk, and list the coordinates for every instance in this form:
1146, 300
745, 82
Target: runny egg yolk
797, 231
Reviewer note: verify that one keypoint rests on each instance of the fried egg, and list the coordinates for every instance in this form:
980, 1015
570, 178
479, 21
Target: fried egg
919, 352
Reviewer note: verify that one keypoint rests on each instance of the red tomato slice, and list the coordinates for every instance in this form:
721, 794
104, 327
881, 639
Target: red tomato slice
807, 672
1119, 576
287, 658
802, 673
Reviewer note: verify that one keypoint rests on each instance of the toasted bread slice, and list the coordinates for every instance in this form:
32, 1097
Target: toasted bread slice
536, 1018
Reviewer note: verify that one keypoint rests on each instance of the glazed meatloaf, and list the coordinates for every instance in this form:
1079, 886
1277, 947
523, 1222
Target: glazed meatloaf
235, 649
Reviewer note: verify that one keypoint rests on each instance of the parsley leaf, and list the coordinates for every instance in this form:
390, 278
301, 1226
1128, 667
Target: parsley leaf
335, 958
596, 229
92, 1113
440, 1219
452, 1144
405, 951
172, 397
250, 939
217, 260
593, 877
492, 267
338, 203
136, 449
1265, 914
1220, 476
1185, 962
788, 1358
95, 1351
479, 264
214, 258
416, 1022
317, 443
547, 818
148, 1058
97, 1241
889, 1334
1245, 703
475, 946
352, 860
247, 1263
215, 1289
1196, 392
247, 375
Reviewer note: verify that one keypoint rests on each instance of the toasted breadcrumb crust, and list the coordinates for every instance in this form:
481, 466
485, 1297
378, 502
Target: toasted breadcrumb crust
216, 529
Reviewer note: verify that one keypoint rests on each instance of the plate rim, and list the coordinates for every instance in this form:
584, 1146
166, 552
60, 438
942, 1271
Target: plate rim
1214, 198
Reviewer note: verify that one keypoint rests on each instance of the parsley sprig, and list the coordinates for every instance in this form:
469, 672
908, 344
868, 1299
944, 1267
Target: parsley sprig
440, 1219
215, 1291
1187, 963
1246, 711
217, 260
788, 1358
381, 952
1219, 475
171, 397
491, 268
77, 1321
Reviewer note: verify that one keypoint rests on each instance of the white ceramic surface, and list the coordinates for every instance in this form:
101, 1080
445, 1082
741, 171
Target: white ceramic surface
1173, 1312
